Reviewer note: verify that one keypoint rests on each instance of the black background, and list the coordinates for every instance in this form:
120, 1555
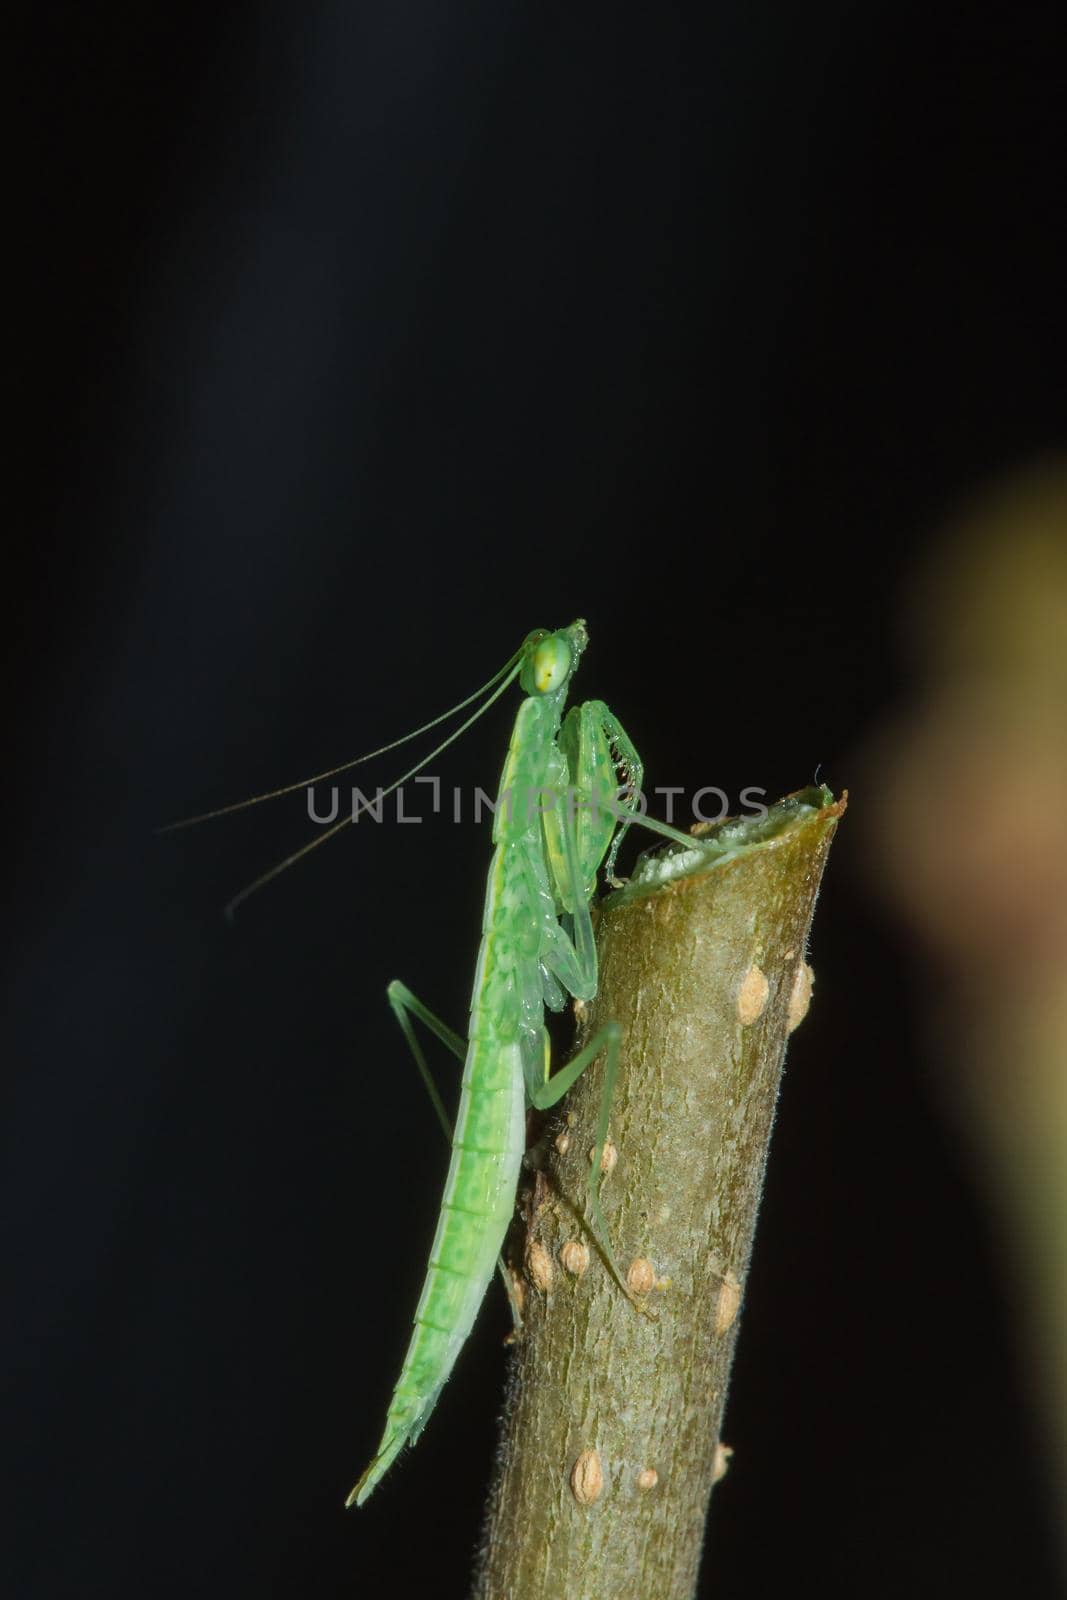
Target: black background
359, 340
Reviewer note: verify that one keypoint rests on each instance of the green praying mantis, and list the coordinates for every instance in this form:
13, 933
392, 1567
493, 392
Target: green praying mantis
560, 815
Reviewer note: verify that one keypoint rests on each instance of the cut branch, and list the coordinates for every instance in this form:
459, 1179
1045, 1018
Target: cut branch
611, 1437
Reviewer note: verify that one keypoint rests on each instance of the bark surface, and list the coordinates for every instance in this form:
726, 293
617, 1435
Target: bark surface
611, 1435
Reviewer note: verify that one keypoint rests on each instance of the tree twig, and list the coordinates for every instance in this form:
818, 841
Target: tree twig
610, 1441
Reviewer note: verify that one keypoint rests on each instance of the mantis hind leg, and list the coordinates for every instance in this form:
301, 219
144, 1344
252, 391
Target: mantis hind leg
551, 1091
406, 1005
574, 963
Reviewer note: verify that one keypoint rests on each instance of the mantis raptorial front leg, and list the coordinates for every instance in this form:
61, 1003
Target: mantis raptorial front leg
405, 1006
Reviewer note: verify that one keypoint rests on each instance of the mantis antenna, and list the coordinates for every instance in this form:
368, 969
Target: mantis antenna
501, 679
345, 766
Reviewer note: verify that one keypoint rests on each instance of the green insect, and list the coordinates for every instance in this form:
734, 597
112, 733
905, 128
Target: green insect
558, 818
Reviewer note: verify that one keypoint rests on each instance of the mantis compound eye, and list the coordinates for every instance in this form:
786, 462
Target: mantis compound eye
551, 664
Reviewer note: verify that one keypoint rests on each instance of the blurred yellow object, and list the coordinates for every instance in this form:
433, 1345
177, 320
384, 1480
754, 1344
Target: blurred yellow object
972, 848
992, 601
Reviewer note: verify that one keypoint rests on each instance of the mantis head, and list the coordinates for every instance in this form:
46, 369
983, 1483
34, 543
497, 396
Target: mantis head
549, 659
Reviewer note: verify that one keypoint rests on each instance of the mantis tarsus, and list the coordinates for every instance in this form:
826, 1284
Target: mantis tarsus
558, 818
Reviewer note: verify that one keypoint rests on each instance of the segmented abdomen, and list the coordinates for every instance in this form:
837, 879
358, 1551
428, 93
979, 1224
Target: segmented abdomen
477, 1207
490, 1136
